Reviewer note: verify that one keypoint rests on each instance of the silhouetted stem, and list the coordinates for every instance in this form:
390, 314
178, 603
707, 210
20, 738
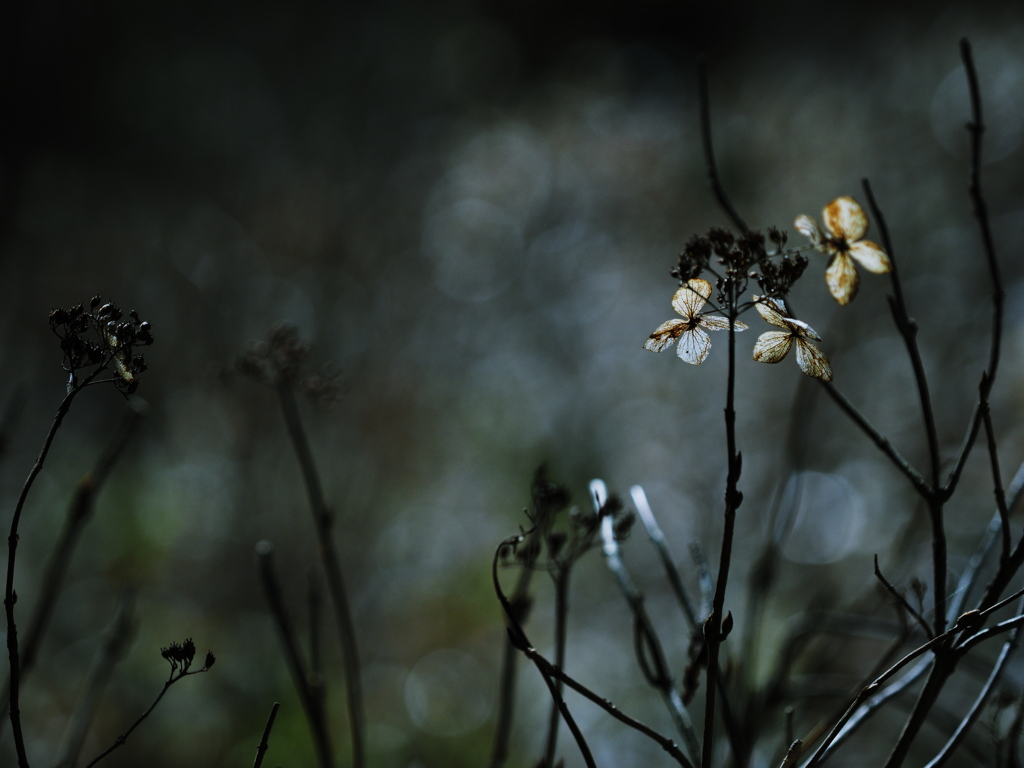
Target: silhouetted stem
265, 741
119, 742
311, 702
551, 673
733, 498
79, 512
709, 152
332, 569
10, 596
506, 695
561, 578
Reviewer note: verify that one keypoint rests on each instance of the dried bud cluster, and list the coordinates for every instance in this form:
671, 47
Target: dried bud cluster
180, 656
280, 360
565, 533
102, 335
735, 260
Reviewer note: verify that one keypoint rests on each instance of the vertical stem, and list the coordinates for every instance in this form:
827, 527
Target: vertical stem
713, 625
561, 577
332, 568
10, 596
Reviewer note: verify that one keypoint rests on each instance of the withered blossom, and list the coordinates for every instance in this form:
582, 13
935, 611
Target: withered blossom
694, 343
773, 346
845, 224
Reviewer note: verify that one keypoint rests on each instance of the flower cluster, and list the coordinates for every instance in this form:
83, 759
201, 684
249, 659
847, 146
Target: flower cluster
694, 343
99, 336
845, 225
736, 260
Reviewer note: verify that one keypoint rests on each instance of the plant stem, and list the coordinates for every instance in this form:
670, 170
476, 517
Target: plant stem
10, 596
561, 577
332, 569
733, 498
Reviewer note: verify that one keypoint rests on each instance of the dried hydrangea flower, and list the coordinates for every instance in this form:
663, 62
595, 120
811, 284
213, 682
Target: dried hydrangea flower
694, 343
845, 225
773, 346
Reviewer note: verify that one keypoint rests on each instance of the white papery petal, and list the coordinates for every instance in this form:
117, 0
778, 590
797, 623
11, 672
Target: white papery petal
689, 298
665, 334
812, 360
694, 345
809, 228
719, 323
871, 256
772, 310
772, 346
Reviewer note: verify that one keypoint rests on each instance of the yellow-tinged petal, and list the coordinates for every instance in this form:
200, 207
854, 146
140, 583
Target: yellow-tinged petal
845, 218
719, 323
871, 256
693, 347
689, 298
665, 334
812, 360
772, 346
842, 278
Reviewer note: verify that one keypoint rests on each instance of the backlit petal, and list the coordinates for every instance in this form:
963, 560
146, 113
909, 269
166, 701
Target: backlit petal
693, 346
664, 335
772, 346
871, 256
845, 218
689, 298
719, 323
812, 360
842, 278
808, 227
772, 310
802, 329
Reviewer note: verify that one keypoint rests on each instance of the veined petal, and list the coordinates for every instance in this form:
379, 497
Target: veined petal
842, 278
809, 228
845, 218
694, 345
665, 334
871, 256
812, 360
772, 346
689, 298
802, 329
772, 310
719, 323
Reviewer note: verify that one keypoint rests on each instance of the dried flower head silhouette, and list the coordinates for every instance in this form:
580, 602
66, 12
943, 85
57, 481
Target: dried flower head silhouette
694, 343
845, 224
773, 346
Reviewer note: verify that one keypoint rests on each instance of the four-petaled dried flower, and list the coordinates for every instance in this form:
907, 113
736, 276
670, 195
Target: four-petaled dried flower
845, 225
772, 346
694, 343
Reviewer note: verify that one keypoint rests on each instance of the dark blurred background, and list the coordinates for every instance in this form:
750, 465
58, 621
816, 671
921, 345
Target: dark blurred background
470, 209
